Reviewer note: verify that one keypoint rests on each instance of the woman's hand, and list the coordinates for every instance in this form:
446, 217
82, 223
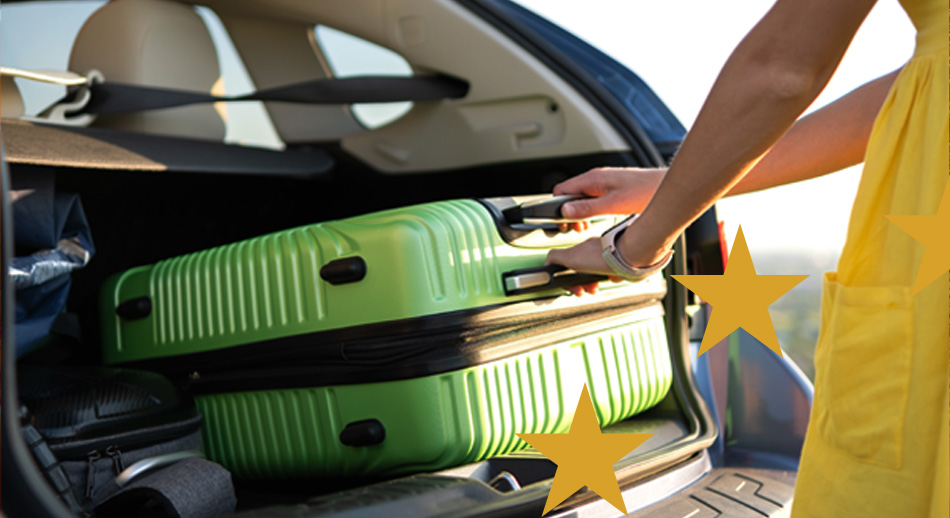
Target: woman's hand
637, 249
615, 191
586, 257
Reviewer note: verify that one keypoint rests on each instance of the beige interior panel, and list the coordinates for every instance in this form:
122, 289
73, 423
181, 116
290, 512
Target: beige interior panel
11, 102
541, 121
279, 53
507, 115
154, 43
364, 18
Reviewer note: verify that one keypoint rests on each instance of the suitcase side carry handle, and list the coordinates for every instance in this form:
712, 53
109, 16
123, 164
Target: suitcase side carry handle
543, 278
539, 212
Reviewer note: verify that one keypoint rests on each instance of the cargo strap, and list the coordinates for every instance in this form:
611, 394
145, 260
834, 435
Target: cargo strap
108, 98
49, 464
191, 488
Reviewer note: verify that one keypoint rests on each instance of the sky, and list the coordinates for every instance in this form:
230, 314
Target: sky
676, 46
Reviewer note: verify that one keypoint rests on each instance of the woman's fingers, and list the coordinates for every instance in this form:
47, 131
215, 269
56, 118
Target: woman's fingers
577, 291
614, 191
589, 183
585, 257
576, 226
596, 183
582, 209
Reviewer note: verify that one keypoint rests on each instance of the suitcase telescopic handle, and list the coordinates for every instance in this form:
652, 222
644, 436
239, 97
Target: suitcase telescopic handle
537, 212
543, 278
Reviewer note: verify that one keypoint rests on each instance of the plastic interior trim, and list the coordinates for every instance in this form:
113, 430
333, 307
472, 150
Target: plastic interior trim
25, 493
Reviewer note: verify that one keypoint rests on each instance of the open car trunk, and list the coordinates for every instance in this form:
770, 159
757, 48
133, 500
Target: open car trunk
138, 217
149, 198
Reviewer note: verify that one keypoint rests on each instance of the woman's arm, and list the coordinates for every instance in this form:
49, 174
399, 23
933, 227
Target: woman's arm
771, 77
825, 141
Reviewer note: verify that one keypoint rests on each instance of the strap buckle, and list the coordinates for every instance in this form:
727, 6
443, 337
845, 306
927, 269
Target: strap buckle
63, 112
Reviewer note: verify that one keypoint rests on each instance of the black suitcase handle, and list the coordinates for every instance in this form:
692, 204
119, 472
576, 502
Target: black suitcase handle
537, 212
543, 278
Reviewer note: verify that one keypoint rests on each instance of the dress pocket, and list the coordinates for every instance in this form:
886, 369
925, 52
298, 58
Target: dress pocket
863, 363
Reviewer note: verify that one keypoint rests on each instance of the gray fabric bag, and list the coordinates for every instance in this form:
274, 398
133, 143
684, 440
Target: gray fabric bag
124, 435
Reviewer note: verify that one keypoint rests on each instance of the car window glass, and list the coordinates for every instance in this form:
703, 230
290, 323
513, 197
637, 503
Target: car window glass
37, 36
349, 56
40, 35
247, 122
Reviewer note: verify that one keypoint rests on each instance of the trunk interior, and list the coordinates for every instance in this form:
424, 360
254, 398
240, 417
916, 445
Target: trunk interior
141, 217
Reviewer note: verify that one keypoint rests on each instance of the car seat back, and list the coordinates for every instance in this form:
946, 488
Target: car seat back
11, 102
154, 43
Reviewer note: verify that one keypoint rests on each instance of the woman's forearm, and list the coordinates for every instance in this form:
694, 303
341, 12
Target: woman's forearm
769, 80
828, 140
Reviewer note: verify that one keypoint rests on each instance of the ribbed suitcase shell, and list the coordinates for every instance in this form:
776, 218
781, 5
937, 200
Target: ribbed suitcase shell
445, 419
425, 262
420, 260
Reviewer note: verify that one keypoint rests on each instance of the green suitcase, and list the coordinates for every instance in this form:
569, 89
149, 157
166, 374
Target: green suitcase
406, 340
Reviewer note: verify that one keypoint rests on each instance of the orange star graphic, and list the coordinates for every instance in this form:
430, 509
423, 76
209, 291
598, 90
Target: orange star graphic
932, 232
740, 298
585, 456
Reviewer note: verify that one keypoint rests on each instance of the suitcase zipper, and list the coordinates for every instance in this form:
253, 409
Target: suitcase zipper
116, 456
449, 339
91, 458
64, 451
373, 360
114, 453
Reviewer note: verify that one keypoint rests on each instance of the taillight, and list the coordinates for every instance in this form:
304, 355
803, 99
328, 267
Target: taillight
723, 245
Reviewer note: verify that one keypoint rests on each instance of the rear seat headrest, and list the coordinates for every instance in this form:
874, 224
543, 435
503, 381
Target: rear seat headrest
12, 101
154, 43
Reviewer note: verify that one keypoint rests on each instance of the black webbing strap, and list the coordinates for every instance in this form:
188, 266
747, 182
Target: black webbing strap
191, 488
49, 465
122, 98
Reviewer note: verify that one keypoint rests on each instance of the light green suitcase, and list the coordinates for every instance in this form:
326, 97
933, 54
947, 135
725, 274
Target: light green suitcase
406, 340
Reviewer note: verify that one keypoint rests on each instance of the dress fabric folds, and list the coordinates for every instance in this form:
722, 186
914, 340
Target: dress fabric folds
877, 440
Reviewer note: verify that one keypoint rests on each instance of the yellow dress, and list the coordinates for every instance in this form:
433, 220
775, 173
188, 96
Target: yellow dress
877, 440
